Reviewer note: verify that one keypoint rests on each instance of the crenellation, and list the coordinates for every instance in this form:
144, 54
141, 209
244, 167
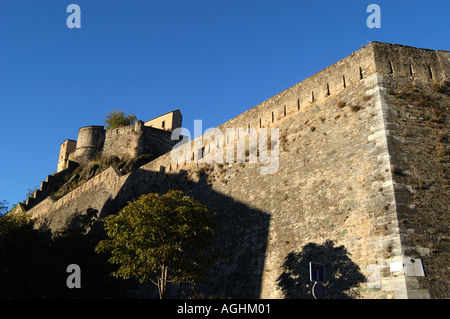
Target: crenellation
124, 142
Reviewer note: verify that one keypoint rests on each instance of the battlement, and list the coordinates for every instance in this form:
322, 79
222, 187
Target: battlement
375, 58
125, 142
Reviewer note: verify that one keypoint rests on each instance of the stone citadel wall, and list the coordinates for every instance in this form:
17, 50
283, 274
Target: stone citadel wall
94, 142
334, 198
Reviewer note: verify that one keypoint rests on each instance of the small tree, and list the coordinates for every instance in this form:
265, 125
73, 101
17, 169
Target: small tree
3, 207
161, 239
22, 249
117, 118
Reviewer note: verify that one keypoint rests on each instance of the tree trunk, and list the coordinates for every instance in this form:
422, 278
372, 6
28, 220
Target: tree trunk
162, 283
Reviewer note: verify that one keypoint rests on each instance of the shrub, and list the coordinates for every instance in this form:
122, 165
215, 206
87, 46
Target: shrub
117, 119
355, 108
340, 103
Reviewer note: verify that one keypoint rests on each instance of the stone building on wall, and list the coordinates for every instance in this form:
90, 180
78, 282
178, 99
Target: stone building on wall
152, 137
169, 121
67, 147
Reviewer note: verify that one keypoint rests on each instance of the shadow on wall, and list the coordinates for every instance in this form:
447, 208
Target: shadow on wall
341, 273
242, 233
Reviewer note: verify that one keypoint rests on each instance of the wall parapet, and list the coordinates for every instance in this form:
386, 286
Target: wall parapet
375, 58
110, 177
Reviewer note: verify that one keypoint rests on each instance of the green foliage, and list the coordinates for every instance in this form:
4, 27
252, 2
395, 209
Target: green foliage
20, 245
134, 163
11, 222
33, 264
3, 207
76, 245
162, 238
117, 119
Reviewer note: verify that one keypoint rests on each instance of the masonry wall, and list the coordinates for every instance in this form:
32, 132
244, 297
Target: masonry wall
55, 214
419, 142
122, 142
323, 191
415, 96
128, 142
67, 147
156, 141
328, 82
334, 198
89, 143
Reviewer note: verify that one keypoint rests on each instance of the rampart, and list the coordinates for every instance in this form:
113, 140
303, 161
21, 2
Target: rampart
335, 197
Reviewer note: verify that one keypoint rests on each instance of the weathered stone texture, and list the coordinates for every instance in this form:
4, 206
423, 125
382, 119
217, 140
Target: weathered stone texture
420, 158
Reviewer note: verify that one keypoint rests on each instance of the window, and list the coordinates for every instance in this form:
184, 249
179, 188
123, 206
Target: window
163, 124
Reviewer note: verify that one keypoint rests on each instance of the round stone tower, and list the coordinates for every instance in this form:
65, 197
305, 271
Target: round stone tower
90, 143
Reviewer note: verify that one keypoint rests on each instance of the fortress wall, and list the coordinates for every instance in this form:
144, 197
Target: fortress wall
424, 64
294, 101
324, 186
419, 146
62, 213
409, 61
89, 143
46, 187
364, 200
336, 79
328, 82
131, 141
125, 142
122, 142
111, 180
156, 142
324, 189
415, 94
321, 191
333, 199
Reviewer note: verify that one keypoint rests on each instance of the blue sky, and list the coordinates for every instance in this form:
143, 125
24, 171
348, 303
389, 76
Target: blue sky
212, 59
